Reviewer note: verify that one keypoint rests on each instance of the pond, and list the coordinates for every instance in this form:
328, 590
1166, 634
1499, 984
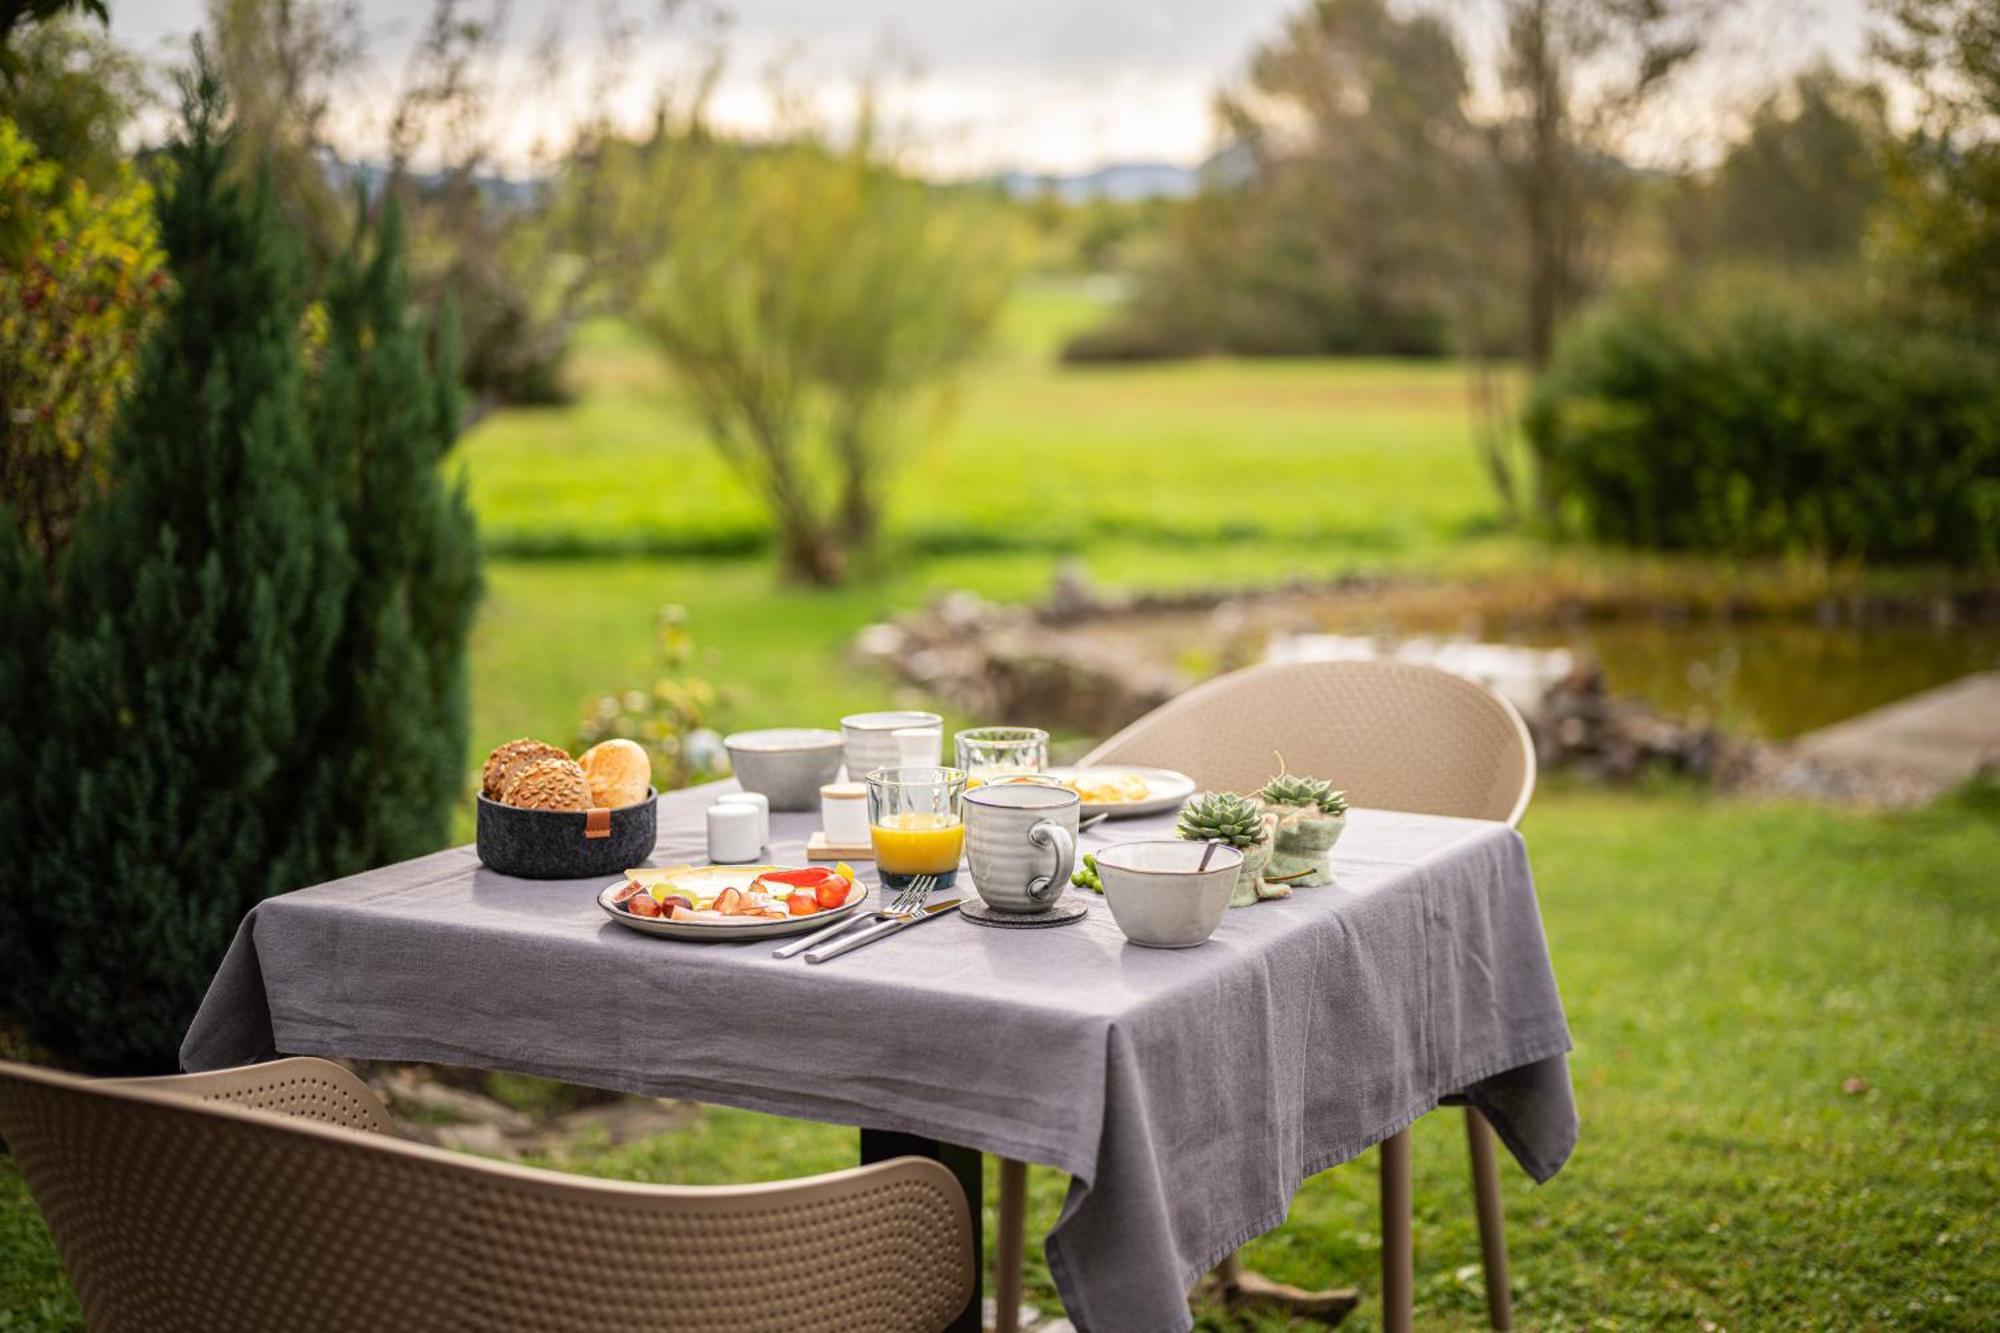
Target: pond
1774, 678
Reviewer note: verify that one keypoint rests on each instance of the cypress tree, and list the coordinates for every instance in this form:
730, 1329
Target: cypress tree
191, 650
248, 672
384, 415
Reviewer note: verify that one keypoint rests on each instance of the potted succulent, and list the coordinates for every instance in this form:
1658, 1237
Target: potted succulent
1310, 816
1239, 822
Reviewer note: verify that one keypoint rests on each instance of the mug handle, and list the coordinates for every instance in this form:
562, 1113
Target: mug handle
1045, 889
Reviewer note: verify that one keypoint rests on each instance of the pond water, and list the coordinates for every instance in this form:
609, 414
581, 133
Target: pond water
1775, 678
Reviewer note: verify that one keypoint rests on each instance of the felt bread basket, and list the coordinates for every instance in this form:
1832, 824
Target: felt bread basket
566, 844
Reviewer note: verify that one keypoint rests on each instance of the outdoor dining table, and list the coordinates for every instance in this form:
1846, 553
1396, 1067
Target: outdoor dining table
1187, 1093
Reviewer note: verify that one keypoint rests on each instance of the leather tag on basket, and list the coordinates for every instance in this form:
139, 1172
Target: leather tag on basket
597, 823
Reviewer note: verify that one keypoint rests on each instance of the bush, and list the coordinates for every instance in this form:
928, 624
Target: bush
80, 280
1763, 426
245, 673
172, 675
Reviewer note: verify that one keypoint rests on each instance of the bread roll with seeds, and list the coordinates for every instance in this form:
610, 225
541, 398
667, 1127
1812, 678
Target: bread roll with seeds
549, 783
508, 760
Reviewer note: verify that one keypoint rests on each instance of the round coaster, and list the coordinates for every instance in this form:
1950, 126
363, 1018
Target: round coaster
1070, 907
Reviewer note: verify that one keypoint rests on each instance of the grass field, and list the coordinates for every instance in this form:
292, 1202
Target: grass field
1364, 455
1728, 968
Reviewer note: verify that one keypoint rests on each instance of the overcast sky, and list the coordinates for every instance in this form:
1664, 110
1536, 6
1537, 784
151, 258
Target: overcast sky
1045, 85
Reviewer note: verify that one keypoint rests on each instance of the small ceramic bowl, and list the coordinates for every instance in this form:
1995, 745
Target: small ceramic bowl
1156, 895
787, 765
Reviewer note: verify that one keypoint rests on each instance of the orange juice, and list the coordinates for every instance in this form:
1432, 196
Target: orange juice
917, 843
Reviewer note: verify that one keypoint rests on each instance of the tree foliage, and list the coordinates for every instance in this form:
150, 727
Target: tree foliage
814, 300
383, 412
284, 65
80, 280
1943, 232
1336, 222
246, 673
1803, 183
198, 610
72, 94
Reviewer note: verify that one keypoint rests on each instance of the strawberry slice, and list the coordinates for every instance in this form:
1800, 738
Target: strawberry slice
833, 892
802, 903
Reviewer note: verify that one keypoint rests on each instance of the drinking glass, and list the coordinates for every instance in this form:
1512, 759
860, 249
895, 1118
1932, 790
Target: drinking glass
986, 751
916, 823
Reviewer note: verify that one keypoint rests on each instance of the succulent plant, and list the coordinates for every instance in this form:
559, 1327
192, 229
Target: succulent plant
1222, 816
1297, 790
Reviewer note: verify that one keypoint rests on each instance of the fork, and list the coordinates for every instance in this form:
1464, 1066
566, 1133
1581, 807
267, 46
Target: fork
905, 905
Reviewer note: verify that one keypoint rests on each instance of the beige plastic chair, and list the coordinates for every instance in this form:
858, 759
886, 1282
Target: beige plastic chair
279, 1197
1394, 736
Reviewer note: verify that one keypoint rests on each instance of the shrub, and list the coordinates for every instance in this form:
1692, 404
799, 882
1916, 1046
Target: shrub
245, 673
1763, 426
80, 280
199, 603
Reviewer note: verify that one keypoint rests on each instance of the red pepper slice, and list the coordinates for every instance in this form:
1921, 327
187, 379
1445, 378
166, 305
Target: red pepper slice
810, 877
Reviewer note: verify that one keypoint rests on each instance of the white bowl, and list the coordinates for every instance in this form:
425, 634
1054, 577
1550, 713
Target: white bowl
1156, 895
788, 765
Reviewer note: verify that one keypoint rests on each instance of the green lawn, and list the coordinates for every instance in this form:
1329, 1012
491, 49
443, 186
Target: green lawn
1727, 968
1369, 456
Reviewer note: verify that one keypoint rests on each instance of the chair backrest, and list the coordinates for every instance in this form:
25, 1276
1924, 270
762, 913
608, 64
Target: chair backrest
299, 1088
1393, 735
174, 1214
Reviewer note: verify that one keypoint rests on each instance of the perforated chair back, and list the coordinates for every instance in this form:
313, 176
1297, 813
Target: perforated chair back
1393, 735
173, 1213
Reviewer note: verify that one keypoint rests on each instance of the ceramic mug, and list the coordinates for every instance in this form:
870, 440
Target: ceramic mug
1011, 829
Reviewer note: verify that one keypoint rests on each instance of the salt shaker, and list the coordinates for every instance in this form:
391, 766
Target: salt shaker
758, 801
732, 833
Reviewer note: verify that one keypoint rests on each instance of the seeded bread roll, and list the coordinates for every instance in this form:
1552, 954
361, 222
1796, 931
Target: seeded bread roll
549, 783
619, 771
508, 760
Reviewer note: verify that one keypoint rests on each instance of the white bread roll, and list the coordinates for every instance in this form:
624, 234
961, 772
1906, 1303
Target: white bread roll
619, 771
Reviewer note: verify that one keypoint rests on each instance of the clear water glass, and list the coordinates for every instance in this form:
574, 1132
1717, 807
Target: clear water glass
986, 751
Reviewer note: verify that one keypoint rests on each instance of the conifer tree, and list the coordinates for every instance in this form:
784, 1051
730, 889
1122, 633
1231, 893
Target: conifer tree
247, 674
384, 414
191, 651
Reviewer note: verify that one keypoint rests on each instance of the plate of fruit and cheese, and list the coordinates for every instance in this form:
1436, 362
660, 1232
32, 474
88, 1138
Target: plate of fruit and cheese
732, 902
1125, 790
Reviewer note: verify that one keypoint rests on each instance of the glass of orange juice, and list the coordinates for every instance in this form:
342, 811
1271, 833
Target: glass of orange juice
916, 824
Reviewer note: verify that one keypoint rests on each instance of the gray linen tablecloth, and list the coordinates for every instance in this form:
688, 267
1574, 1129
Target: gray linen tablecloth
1188, 1093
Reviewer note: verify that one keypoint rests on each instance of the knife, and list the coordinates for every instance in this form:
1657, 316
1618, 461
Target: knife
861, 937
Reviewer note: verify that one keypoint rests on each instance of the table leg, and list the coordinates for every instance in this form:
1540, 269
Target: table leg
1012, 1220
879, 1145
1398, 1273
1492, 1220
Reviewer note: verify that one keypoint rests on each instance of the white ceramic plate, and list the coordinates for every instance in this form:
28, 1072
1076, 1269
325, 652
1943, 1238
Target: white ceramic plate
1165, 790
749, 929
